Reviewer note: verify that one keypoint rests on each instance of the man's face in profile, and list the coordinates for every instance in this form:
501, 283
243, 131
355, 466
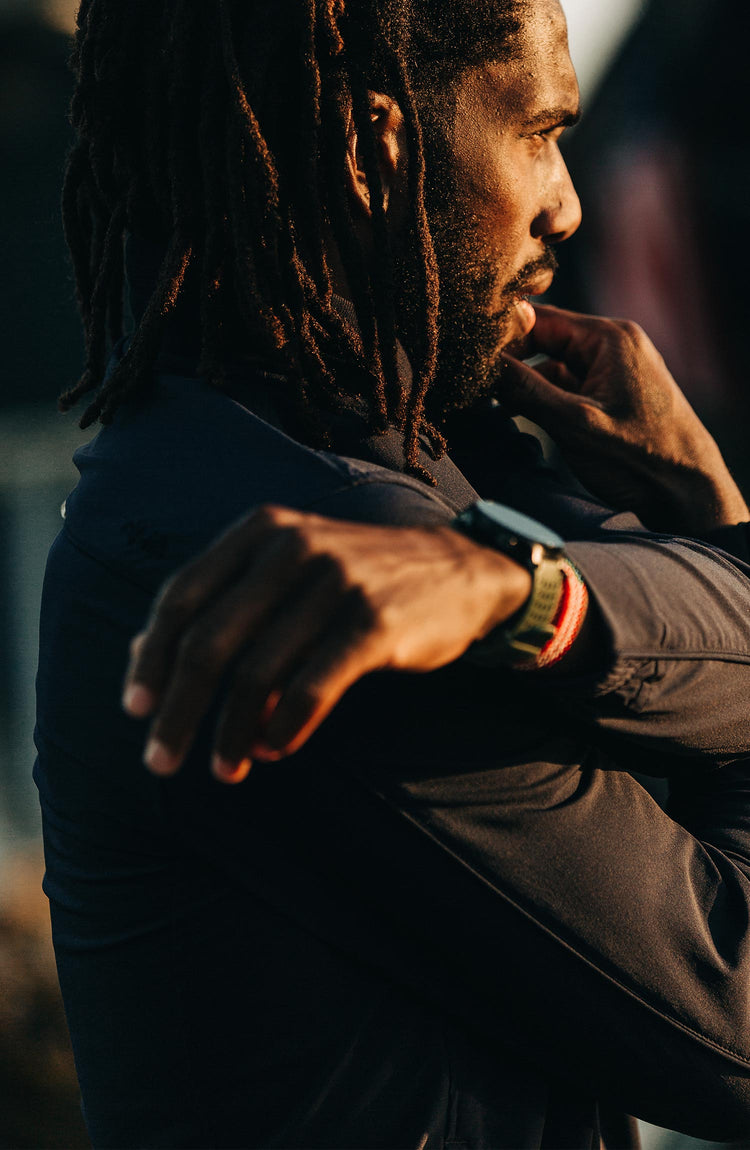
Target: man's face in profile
510, 198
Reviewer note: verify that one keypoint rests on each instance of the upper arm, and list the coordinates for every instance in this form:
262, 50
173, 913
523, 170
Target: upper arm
677, 676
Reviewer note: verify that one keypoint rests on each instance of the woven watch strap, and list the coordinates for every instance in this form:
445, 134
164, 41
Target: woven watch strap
545, 628
533, 629
571, 612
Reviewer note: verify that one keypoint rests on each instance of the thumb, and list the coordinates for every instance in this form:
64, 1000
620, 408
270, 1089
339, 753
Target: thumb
573, 339
526, 392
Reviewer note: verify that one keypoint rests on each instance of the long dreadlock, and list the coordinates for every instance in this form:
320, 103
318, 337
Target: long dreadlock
219, 128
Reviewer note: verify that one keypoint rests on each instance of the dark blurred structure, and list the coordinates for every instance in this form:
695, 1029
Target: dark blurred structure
39, 1100
662, 165
42, 354
41, 332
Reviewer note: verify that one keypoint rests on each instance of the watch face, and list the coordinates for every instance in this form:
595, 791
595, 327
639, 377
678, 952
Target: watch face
514, 523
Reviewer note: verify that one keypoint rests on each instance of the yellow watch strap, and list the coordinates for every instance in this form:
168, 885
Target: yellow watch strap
530, 630
535, 626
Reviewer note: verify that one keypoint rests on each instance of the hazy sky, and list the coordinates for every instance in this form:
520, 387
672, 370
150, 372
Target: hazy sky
596, 27
63, 11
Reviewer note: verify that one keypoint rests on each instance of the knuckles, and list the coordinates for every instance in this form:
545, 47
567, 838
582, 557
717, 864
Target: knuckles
590, 419
269, 517
252, 680
203, 654
293, 543
344, 582
633, 335
180, 598
284, 529
362, 612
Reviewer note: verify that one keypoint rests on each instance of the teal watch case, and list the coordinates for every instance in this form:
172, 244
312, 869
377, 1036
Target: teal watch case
524, 539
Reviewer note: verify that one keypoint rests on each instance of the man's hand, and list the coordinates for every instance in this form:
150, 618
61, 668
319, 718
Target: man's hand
621, 422
298, 608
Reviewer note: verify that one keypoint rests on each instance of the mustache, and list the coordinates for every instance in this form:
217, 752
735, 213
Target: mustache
524, 279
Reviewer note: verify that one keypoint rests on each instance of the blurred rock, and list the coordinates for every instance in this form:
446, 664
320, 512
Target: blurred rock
39, 1100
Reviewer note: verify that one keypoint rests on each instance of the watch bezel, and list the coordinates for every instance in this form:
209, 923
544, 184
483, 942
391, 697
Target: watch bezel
522, 538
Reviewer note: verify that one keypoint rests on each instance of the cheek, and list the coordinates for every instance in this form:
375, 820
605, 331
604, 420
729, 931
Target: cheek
502, 225
498, 199
485, 166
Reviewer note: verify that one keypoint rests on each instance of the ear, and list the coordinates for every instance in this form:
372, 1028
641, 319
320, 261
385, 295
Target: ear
387, 123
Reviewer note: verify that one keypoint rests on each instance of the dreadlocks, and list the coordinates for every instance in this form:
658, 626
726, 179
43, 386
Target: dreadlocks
218, 128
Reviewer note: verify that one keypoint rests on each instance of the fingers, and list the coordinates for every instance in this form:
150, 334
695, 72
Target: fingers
197, 662
585, 343
291, 621
532, 393
293, 671
315, 691
574, 340
559, 376
152, 653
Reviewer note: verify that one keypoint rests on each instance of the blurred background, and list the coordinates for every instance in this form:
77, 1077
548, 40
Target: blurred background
663, 169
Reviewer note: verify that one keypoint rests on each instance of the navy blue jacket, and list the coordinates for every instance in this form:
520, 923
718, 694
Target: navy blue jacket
454, 918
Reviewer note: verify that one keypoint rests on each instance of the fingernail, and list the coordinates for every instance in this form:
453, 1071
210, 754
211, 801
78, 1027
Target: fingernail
160, 759
138, 701
229, 772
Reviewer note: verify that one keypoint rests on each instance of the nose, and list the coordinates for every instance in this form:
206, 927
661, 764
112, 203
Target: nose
561, 216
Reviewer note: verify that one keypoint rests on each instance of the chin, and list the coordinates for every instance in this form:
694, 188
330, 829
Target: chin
508, 329
493, 360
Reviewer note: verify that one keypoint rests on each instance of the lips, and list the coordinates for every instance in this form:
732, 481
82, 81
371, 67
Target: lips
538, 285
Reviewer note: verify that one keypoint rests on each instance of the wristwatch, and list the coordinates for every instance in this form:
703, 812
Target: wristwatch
522, 638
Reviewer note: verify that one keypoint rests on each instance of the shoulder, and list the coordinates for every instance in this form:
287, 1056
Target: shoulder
174, 471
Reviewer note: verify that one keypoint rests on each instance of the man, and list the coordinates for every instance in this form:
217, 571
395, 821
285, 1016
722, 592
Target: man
452, 917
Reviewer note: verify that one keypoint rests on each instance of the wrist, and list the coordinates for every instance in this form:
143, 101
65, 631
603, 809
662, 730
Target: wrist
495, 581
548, 617
544, 630
514, 592
705, 499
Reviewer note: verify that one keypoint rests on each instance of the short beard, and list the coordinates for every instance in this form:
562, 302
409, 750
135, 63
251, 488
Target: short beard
472, 329
472, 332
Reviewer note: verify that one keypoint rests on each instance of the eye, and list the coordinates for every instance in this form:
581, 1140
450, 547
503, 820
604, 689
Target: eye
552, 134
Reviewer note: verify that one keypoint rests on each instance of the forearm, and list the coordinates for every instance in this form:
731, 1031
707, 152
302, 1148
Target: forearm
701, 497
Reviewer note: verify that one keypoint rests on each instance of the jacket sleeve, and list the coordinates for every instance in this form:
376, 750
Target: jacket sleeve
460, 835
607, 936
676, 613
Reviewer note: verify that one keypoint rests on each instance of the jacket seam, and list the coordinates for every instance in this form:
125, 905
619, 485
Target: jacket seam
688, 655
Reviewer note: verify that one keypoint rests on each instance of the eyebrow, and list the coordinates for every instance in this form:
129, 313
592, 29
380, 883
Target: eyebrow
562, 117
